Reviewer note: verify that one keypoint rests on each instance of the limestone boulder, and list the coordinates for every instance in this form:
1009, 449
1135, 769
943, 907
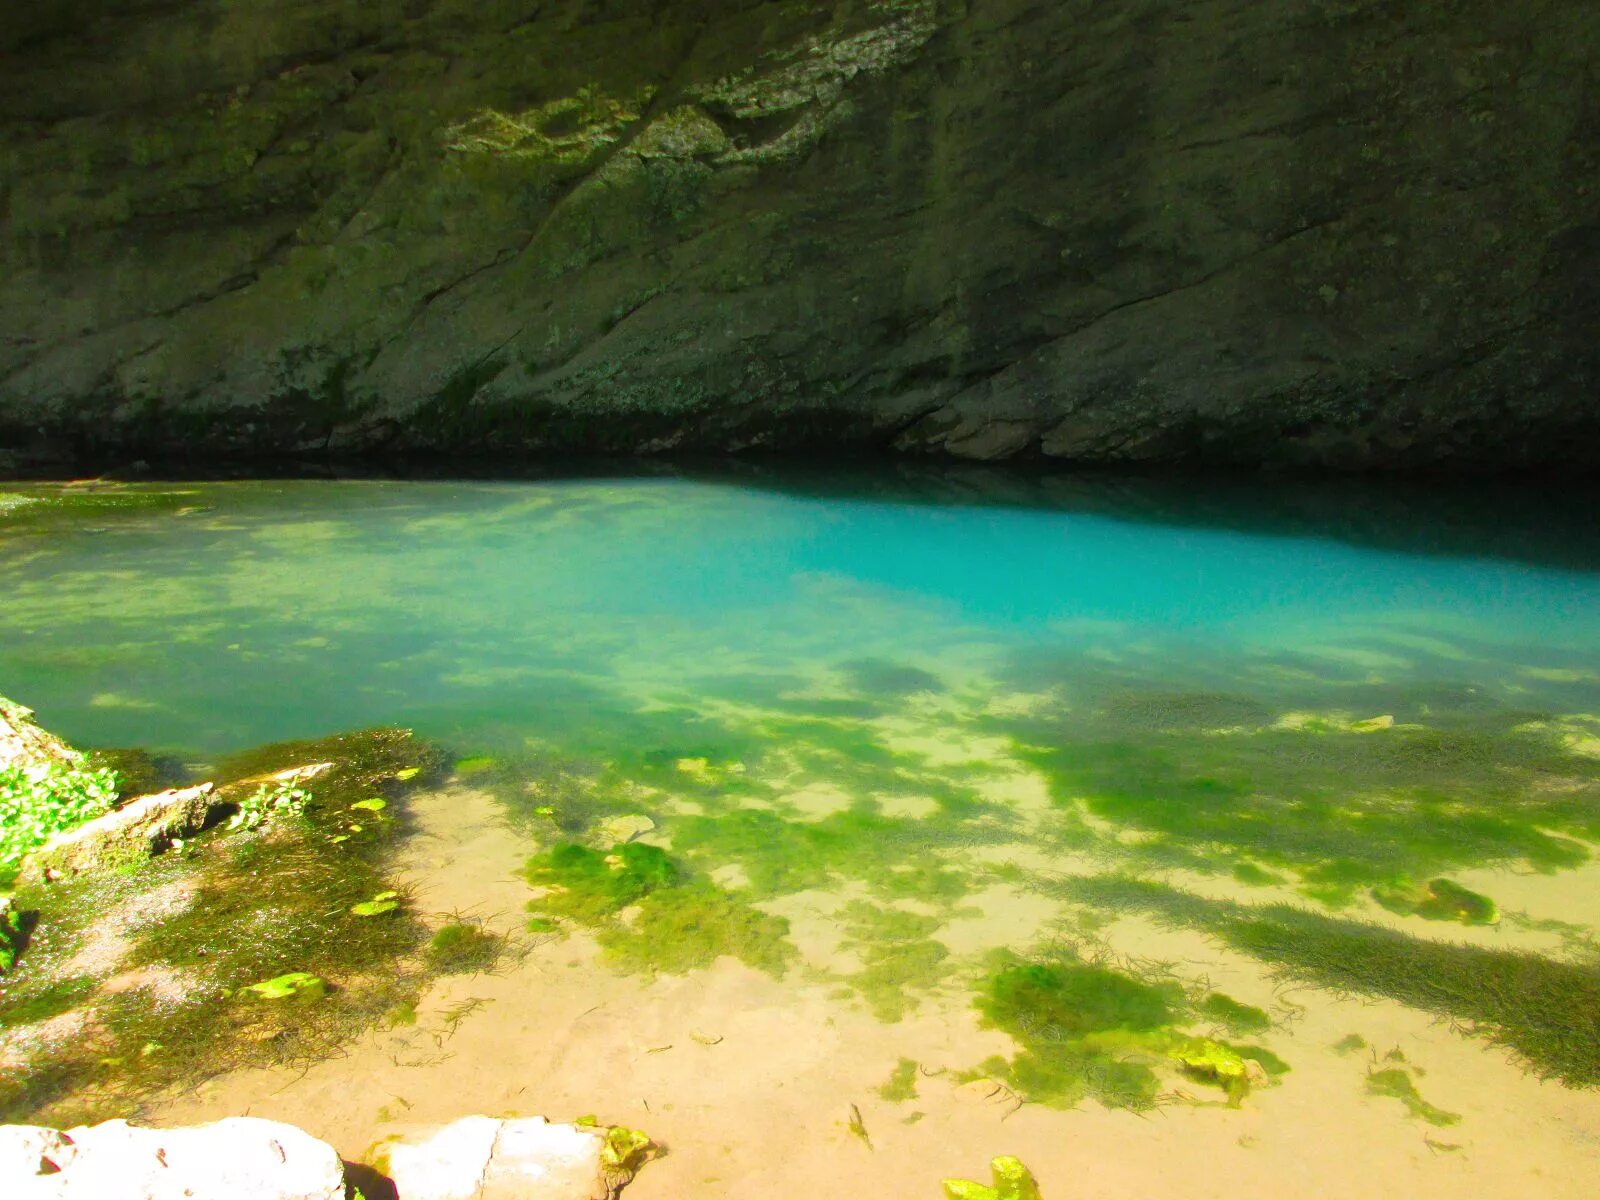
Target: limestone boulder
481, 1158
24, 743
140, 828
229, 1159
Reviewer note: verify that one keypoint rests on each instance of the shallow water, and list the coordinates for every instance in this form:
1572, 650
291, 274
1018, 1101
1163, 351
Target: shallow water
1158, 746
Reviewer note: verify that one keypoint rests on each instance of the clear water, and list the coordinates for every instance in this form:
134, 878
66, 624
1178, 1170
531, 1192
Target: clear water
909, 724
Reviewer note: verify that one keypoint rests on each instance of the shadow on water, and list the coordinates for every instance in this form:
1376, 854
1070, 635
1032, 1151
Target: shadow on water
1553, 524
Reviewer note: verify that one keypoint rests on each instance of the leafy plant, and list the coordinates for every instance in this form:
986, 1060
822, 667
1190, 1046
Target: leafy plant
269, 802
1012, 1181
39, 801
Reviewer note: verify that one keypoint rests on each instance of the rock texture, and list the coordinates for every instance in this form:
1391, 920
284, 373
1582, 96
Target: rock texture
481, 1158
227, 1160
139, 829
1358, 233
23, 742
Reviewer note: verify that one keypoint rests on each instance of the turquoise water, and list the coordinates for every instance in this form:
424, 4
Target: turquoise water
1008, 776
289, 610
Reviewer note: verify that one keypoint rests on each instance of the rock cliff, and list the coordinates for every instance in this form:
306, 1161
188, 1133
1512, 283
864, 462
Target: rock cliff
1356, 233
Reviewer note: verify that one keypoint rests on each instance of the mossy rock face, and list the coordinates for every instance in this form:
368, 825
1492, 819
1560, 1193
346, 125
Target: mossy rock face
309, 232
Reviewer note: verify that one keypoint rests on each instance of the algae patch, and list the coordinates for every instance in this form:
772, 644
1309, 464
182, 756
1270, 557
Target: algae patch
1397, 1084
1089, 1030
650, 914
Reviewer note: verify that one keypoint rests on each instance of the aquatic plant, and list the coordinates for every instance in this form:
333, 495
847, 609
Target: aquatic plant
236, 912
1396, 1083
1545, 1009
679, 923
1010, 1181
901, 1085
1438, 900
38, 801
462, 948
270, 801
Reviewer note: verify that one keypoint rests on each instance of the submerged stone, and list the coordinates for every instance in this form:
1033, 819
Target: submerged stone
235, 1157
135, 831
24, 743
518, 1159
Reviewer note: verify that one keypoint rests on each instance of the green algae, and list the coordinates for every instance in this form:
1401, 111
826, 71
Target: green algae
676, 923
689, 926
588, 886
1085, 1031
781, 855
1349, 1044
1397, 1084
901, 1086
34, 510
50, 1000
1547, 1010
900, 961
1438, 900
1240, 1019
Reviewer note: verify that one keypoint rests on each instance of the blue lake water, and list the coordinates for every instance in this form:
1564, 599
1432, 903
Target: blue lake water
894, 743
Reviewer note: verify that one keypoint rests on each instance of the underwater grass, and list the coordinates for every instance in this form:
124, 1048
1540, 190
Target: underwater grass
1346, 783
463, 948
234, 909
1546, 1010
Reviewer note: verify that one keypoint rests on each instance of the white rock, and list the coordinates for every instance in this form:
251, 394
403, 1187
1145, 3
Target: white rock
23, 743
480, 1158
27, 1150
227, 1160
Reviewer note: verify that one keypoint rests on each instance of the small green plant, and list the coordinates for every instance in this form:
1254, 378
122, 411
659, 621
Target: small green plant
297, 985
37, 802
383, 902
1012, 1181
270, 802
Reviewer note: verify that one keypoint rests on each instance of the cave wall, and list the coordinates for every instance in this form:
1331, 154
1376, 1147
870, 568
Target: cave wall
1328, 232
